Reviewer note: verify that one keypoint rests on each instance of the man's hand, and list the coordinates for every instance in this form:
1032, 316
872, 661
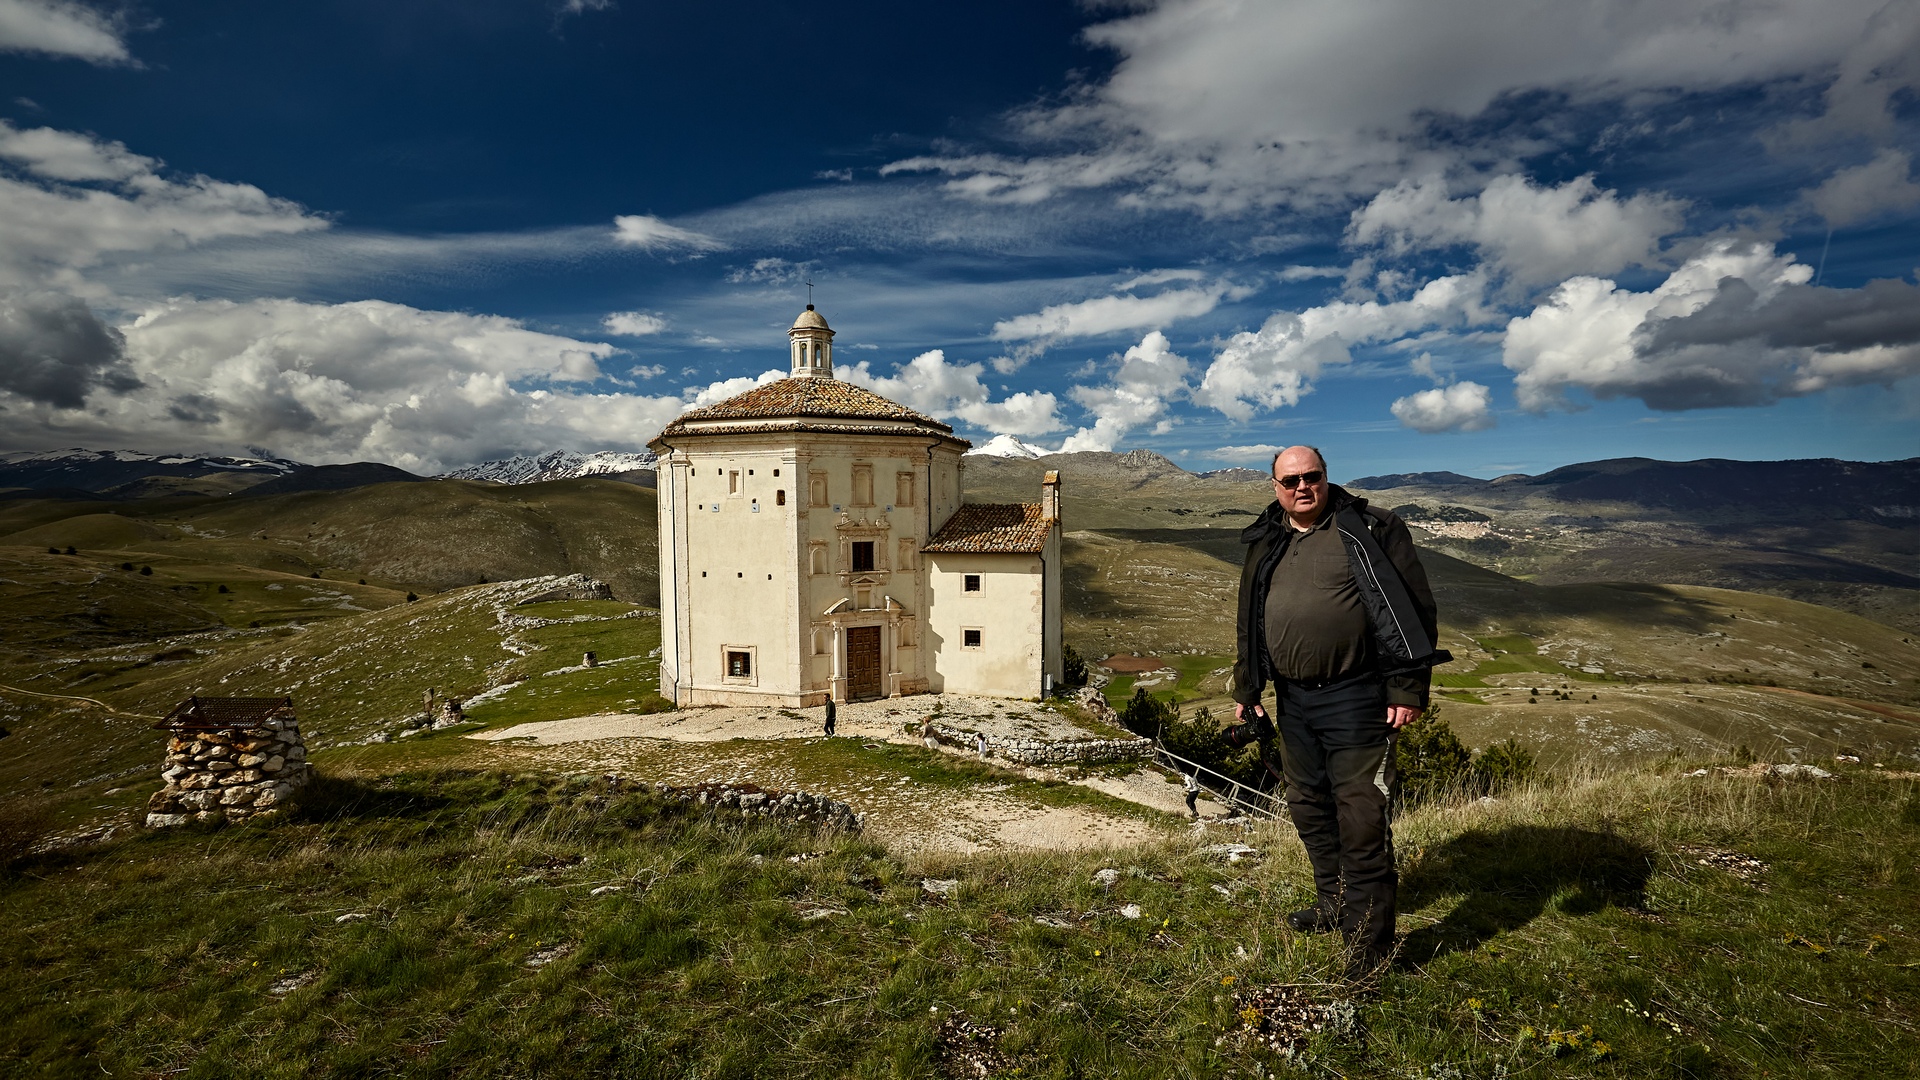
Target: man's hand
1401, 715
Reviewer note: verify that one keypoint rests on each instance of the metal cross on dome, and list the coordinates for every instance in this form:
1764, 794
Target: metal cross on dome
809, 294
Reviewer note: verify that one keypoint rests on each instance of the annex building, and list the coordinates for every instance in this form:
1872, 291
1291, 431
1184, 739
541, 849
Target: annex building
813, 546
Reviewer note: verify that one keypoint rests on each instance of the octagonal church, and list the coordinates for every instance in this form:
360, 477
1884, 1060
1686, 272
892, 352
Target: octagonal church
813, 547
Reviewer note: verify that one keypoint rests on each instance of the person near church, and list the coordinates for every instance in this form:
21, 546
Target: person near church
1193, 795
1335, 613
830, 717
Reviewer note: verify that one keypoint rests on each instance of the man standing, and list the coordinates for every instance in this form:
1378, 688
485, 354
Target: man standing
1336, 612
830, 718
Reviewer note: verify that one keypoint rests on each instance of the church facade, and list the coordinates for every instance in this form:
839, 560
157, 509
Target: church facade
814, 547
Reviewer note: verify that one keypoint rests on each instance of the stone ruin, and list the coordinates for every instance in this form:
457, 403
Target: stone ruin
573, 587
228, 759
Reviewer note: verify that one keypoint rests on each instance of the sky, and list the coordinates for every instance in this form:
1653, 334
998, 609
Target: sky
1482, 236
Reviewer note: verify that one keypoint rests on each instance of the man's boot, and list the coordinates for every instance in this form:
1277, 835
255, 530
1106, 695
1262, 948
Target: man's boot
1314, 920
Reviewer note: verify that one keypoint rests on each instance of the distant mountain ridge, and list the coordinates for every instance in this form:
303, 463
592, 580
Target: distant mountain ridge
554, 465
102, 470
1879, 490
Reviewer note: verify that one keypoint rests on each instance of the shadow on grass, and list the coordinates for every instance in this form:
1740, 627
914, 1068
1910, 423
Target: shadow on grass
1511, 876
332, 798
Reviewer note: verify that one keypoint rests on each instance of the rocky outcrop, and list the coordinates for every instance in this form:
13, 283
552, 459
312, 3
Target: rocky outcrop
229, 775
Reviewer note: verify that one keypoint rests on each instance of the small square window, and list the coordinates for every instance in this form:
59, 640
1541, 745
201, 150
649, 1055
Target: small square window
971, 583
740, 664
970, 639
776, 472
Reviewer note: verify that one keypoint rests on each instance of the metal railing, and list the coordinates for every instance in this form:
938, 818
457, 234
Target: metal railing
1250, 800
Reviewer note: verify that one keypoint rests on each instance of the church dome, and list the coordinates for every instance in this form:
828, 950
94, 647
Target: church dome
810, 320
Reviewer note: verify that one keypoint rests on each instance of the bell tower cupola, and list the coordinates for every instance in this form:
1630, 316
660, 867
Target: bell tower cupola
811, 346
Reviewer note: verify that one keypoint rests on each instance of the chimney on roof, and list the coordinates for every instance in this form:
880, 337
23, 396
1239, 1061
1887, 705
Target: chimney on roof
1050, 496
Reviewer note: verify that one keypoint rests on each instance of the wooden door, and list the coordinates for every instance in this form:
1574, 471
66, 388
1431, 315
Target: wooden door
863, 663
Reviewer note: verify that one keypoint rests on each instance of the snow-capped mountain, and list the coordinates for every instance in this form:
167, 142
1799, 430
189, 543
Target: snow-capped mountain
553, 465
1008, 446
99, 470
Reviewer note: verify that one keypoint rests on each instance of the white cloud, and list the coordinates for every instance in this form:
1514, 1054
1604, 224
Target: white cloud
934, 386
1275, 366
1262, 452
1734, 325
1308, 273
1533, 235
1864, 191
61, 28
360, 381
75, 200
1464, 406
633, 323
769, 271
1147, 379
651, 234
1123, 310
1224, 105
701, 397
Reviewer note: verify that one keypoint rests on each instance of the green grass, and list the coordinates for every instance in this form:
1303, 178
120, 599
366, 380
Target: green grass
1563, 918
1193, 670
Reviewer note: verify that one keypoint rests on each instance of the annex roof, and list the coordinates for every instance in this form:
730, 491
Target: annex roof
811, 399
220, 713
993, 528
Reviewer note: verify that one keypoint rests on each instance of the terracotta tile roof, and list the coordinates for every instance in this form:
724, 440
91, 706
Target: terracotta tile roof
1014, 528
220, 713
811, 397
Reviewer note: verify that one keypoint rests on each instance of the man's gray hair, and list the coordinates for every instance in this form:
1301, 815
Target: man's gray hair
1273, 469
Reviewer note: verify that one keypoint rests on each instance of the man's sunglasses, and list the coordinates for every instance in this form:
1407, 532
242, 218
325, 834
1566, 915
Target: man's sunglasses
1296, 479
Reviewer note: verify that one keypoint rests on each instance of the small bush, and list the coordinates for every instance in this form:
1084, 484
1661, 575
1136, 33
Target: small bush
316, 573
146, 571
51, 550
1074, 668
126, 566
411, 598
1144, 715
1431, 759
1502, 766
223, 588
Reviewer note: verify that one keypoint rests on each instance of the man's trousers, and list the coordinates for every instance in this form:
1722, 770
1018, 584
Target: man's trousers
1337, 755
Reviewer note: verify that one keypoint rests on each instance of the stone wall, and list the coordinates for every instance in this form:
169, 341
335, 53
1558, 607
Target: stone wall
1024, 751
758, 802
574, 587
229, 775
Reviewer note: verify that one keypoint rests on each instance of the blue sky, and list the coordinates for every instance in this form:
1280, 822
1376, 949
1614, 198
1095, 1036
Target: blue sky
1481, 235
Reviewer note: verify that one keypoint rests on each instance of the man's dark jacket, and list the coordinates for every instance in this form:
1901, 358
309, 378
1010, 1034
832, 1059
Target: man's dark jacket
1393, 590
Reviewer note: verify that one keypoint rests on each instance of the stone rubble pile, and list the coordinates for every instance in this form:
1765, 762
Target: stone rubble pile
754, 801
229, 775
1024, 751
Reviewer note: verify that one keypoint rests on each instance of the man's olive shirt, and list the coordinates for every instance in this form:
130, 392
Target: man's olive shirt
1316, 624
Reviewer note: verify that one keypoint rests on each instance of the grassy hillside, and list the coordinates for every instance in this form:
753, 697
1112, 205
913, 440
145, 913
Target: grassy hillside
430, 923
421, 536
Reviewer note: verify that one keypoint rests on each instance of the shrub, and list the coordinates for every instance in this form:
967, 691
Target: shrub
1433, 762
147, 570
1201, 740
1144, 715
1501, 766
1074, 669
126, 566
223, 588
51, 550
411, 598
70, 550
1431, 759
